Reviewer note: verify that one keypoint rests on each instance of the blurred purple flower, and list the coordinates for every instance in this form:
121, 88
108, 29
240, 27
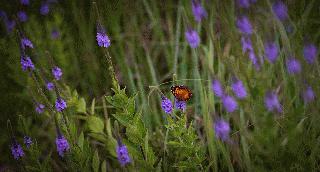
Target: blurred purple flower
254, 60
229, 103
222, 129
198, 11
238, 88
103, 40
217, 88
293, 66
22, 16
44, 9
243, 3
57, 73
16, 150
166, 105
26, 64
25, 42
280, 10
272, 103
10, 25
62, 145
60, 104
27, 141
310, 53
271, 51
308, 95
40, 108
50, 86
246, 44
24, 2
55, 34
244, 26
192, 38
181, 105
123, 154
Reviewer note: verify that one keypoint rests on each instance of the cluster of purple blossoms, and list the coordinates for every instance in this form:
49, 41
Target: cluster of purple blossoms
10, 24
17, 151
57, 72
217, 88
193, 38
238, 88
22, 16
102, 38
50, 86
122, 154
310, 53
229, 103
166, 105
246, 44
45, 8
62, 145
27, 141
198, 11
271, 51
308, 94
293, 66
222, 129
245, 3
25, 42
26, 64
272, 103
181, 105
60, 104
40, 108
280, 10
24, 2
244, 26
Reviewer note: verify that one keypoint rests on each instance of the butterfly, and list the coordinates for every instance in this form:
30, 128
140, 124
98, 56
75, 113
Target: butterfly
181, 92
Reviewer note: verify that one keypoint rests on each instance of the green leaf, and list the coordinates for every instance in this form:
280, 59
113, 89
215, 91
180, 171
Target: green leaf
95, 124
81, 140
93, 106
95, 161
81, 106
104, 166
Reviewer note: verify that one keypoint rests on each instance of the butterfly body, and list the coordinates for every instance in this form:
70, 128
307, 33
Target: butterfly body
181, 92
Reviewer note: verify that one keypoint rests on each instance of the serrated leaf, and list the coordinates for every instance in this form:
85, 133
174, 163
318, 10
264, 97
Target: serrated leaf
95, 161
81, 106
95, 124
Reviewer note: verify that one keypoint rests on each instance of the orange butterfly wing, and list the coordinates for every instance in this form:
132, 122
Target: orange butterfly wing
181, 92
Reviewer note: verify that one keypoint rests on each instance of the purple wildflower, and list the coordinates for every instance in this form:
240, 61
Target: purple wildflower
246, 44
102, 38
308, 95
182, 105
16, 151
24, 2
62, 145
25, 42
55, 34
254, 60
272, 103
27, 64
243, 3
198, 11
22, 16
40, 108
280, 10
50, 86
229, 103
44, 9
60, 104
238, 88
166, 105
310, 53
217, 88
244, 26
27, 141
192, 38
57, 72
271, 51
10, 25
123, 155
293, 66
222, 129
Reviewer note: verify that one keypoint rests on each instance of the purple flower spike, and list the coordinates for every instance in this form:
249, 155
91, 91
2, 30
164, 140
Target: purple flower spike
17, 151
123, 154
25, 42
310, 53
244, 26
246, 44
26, 64
271, 52
181, 105
199, 12
62, 145
10, 25
280, 10
57, 73
27, 141
60, 104
24, 2
229, 103
102, 38
217, 88
50, 86
44, 9
222, 129
272, 103
238, 89
293, 66
40, 108
166, 105
192, 38
243, 3
254, 60
308, 95
55, 34
22, 16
